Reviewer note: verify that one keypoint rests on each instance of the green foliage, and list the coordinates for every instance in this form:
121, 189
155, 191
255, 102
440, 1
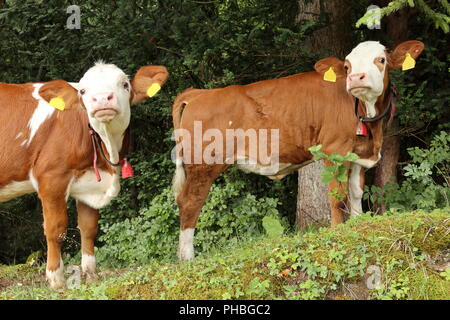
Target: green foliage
424, 101
441, 19
326, 264
229, 214
204, 44
273, 227
427, 183
396, 289
446, 274
335, 170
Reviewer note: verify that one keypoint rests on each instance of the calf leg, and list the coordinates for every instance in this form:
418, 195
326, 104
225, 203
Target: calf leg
199, 179
55, 226
88, 224
356, 189
338, 207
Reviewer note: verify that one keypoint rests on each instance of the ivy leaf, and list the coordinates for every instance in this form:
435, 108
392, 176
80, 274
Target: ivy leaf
342, 174
315, 148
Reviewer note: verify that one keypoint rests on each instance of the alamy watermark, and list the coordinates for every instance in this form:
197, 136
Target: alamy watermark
74, 20
74, 279
374, 17
228, 146
374, 280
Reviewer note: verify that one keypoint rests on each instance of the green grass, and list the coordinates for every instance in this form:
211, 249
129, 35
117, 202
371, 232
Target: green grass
411, 251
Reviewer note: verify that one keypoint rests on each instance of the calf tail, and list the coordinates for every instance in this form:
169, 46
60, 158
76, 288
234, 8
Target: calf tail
179, 178
180, 103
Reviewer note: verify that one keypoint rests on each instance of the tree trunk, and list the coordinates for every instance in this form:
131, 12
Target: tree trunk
386, 169
337, 32
313, 206
312, 197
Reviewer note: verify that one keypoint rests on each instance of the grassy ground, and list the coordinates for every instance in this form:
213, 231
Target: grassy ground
402, 256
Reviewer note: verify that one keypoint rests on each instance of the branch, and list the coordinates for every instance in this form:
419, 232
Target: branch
441, 20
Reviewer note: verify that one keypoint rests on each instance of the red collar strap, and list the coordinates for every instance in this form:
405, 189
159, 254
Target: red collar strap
127, 170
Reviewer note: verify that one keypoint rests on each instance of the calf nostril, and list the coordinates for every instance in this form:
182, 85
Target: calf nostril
94, 99
362, 77
110, 96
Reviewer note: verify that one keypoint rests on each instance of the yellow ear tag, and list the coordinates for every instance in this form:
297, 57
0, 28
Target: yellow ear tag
409, 62
330, 75
153, 89
57, 103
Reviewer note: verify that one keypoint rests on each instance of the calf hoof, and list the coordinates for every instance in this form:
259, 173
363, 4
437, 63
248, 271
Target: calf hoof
56, 279
185, 253
186, 245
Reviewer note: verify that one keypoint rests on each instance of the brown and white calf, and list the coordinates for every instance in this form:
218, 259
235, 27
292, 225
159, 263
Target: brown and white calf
304, 108
51, 151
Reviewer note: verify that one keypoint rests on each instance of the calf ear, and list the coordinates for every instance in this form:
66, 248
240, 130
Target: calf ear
397, 57
60, 95
325, 64
147, 82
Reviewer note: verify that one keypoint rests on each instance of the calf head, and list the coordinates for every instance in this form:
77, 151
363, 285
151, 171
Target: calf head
106, 93
366, 68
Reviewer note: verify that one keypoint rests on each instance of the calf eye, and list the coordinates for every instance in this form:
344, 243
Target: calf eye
82, 91
382, 60
126, 85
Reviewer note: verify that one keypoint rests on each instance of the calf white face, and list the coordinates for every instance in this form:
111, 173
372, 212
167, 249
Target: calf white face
106, 91
366, 67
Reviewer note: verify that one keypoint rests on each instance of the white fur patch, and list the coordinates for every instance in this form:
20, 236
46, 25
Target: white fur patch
275, 169
88, 263
186, 246
74, 85
15, 189
370, 109
56, 278
366, 163
179, 178
42, 112
111, 135
355, 190
20, 135
33, 181
69, 186
363, 55
95, 194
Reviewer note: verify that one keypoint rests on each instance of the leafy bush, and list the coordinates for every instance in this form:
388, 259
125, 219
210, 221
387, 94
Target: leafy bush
427, 185
230, 214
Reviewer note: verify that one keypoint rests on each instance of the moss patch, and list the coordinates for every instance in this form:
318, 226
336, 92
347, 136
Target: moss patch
399, 256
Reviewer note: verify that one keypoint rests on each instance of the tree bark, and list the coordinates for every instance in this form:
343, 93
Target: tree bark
313, 206
337, 34
312, 197
386, 169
